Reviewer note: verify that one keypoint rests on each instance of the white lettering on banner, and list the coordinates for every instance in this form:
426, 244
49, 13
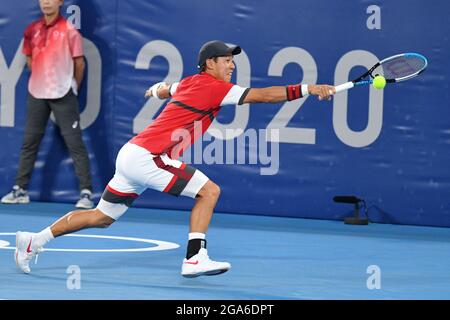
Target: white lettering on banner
290, 108
8, 81
9, 78
94, 84
242, 112
373, 21
75, 17
149, 51
357, 139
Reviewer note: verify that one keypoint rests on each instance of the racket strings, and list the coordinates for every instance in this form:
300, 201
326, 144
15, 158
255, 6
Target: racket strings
401, 67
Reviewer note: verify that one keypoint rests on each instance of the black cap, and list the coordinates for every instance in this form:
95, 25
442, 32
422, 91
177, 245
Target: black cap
215, 48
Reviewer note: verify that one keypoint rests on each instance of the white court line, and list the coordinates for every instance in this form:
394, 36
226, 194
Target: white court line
160, 245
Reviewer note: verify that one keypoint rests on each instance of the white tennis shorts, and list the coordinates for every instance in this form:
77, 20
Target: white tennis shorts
137, 169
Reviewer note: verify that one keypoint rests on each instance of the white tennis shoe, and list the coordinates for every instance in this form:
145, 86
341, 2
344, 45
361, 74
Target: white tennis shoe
200, 264
85, 201
17, 195
25, 250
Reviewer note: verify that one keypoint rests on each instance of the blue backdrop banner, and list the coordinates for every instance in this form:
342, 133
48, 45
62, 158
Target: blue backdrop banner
389, 147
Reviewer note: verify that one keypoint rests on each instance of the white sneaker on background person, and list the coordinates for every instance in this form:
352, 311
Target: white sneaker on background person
16, 196
85, 201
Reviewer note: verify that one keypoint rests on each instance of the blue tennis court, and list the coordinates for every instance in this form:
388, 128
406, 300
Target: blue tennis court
139, 257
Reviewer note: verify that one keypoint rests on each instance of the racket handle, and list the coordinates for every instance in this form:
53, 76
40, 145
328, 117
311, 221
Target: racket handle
344, 86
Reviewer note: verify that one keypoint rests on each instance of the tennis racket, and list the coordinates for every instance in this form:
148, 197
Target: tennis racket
397, 68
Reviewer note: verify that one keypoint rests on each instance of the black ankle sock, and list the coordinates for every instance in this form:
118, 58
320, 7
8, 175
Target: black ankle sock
194, 247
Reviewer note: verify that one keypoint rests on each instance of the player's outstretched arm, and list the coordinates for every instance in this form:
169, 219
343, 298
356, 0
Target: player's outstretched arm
279, 94
161, 90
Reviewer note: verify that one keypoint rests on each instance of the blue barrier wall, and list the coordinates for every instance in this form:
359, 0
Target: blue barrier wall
390, 147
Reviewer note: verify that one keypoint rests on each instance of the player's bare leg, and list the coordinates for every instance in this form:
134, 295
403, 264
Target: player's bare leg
204, 207
30, 244
81, 219
197, 261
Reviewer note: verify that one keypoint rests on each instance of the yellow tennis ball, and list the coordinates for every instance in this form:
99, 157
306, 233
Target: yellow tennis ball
379, 82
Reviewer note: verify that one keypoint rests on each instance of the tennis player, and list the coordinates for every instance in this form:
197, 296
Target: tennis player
149, 160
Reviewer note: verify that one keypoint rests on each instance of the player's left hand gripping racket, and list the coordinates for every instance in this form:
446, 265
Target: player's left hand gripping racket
396, 68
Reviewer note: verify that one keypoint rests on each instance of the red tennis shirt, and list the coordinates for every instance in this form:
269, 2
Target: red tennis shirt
52, 49
194, 105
